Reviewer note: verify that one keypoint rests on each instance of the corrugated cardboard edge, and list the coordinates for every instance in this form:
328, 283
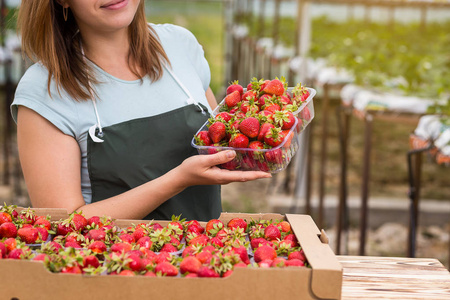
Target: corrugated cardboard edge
326, 281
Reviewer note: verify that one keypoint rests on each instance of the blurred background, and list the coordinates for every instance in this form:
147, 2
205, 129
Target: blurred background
373, 167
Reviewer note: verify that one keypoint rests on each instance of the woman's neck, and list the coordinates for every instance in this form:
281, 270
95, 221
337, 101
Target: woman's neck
110, 52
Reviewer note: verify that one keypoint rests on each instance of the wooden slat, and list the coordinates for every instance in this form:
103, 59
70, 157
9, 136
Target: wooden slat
367, 277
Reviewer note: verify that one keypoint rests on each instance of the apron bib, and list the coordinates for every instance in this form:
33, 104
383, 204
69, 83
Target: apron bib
126, 155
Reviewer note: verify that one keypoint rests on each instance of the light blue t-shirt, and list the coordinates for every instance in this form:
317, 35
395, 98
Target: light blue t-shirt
119, 100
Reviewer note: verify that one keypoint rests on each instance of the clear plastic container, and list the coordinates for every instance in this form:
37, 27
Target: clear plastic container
268, 160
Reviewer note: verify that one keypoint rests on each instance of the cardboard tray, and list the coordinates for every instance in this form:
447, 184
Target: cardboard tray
23, 280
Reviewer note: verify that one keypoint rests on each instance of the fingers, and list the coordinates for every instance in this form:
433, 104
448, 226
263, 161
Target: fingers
227, 176
220, 157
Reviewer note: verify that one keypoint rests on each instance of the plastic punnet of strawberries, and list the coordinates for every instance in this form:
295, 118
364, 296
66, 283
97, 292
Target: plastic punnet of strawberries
96, 246
261, 123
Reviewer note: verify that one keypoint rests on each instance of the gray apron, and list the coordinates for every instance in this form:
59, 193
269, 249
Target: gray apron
126, 155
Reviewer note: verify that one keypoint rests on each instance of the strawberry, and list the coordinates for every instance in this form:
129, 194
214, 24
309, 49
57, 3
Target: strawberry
278, 262
125, 273
285, 226
305, 114
10, 244
96, 235
256, 145
213, 224
63, 229
216, 242
285, 100
235, 86
8, 230
78, 221
250, 106
294, 263
127, 238
72, 244
274, 137
29, 235
267, 263
97, 247
40, 257
188, 251
217, 131
258, 242
300, 255
274, 156
121, 247
204, 257
2, 250
271, 233
5, 217
145, 242
263, 98
166, 269
272, 107
243, 254
231, 165
168, 248
202, 138
206, 271
250, 127
285, 119
274, 87
43, 222
43, 233
237, 223
249, 95
264, 253
95, 221
91, 261
264, 128
136, 264
17, 253
138, 233
238, 141
248, 163
190, 264
201, 239
223, 116
233, 99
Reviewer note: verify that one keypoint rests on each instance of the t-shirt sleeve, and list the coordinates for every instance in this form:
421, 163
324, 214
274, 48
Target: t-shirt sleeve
32, 92
194, 52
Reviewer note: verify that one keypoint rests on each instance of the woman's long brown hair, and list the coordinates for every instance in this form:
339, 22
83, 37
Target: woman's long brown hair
49, 39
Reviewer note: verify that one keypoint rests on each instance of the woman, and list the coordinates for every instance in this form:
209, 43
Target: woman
121, 99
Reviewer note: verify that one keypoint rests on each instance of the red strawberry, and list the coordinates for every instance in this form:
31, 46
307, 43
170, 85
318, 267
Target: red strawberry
150, 274
91, 261
204, 256
285, 100
267, 263
40, 257
5, 217
217, 131
250, 127
305, 114
72, 244
188, 251
63, 229
216, 242
96, 235
10, 244
235, 86
285, 119
201, 239
232, 99
256, 243
273, 107
126, 273
243, 254
274, 87
78, 222
294, 263
43, 222
274, 156
97, 247
249, 95
43, 233
263, 98
223, 116
274, 137
213, 224
29, 235
95, 220
271, 232
8, 230
278, 262
190, 264
166, 269
206, 271
264, 128
237, 223
265, 253
16, 254
145, 242
138, 233
2, 250
238, 140
168, 248
127, 238
300, 255
202, 138
230, 165
285, 226
250, 106
72, 269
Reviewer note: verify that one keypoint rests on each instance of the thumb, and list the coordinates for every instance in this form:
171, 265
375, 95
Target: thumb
222, 157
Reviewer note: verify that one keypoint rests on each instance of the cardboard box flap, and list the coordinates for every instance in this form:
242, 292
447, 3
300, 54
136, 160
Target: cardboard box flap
226, 217
326, 270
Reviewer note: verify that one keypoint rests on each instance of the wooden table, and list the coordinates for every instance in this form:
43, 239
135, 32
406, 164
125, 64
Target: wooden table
368, 277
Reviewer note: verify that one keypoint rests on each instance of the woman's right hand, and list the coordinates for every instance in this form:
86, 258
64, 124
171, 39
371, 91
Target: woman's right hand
203, 170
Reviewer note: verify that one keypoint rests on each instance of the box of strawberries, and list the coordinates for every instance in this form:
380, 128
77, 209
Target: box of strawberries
237, 256
261, 122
